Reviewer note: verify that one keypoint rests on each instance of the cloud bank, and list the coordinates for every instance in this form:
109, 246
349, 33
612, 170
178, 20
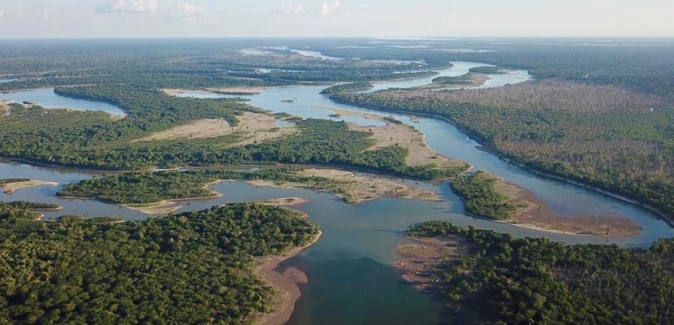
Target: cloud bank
139, 6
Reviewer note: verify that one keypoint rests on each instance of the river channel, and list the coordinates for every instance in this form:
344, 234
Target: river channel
350, 277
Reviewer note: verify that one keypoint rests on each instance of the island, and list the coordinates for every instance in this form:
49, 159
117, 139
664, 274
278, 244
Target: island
161, 262
486, 277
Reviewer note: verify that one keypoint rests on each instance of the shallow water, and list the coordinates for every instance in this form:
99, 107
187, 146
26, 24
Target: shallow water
350, 278
48, 99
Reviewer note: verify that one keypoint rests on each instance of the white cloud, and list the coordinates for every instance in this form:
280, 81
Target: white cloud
289, 9
187, 10
2, 13
129, 6
329, 8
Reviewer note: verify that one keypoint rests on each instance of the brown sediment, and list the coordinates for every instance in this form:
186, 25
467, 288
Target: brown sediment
419, 260
534, 214
284, 202
392, 134
286, 285
10, 188
252, 128
4, 108
353, 188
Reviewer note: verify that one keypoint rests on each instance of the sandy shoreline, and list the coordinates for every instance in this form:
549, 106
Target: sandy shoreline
10, 188
353, 188
286, 284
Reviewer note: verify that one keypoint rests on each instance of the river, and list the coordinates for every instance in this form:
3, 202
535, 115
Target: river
350, 277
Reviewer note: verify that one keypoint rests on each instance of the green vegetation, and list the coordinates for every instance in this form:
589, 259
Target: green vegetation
34, 206
603, 136
487, 70
148, 187
465, 79
505, 280
348, 87
192, 268
13, 180
481, 198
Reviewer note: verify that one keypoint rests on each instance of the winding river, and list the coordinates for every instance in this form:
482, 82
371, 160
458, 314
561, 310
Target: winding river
350, 278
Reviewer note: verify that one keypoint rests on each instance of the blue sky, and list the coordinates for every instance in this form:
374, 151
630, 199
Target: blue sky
329, 18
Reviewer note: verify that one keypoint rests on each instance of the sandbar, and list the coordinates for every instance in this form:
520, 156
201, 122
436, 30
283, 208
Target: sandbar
10, 188
286, 284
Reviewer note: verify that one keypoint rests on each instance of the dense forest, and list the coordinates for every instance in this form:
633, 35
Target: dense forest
487, 70
347, 87
464, 79
192, 268
604, 136
481, 198
507, 280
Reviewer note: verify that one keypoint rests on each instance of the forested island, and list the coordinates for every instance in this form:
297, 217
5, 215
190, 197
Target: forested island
487, 277
79, 270
347, 87
156, 189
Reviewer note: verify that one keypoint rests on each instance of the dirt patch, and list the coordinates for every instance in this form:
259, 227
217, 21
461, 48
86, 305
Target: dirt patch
10, 188
238, 90
285, 202
4, 108
353, 188
163, 207
419, 261
252, 128
532, 213
393, 134
286, 285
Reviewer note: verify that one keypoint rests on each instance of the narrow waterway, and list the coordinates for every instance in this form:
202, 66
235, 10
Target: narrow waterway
350, 278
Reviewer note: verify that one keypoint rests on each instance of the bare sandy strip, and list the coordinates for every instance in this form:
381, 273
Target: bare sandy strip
4, 108
10, 188
252, 127
533, 214
163, 207
286, 284
238, 90
403, 135
285, 202
354, 189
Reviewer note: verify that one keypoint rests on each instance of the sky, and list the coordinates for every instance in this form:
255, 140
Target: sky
335, 18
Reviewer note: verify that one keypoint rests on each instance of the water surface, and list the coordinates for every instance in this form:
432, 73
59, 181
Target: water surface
48, 99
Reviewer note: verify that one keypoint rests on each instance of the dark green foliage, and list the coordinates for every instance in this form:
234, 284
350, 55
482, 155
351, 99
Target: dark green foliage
481, 198
13, 180
460, 80
506, 280
348, 87
192, 268
487, 70
26, 205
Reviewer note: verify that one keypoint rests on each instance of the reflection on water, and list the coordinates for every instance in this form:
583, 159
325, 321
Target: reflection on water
48, 99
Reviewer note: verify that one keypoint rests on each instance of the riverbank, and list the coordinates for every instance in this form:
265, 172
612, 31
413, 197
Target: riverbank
395, 133
485, 146
490, 197
419, 260
353, 188
286, 284
10, 188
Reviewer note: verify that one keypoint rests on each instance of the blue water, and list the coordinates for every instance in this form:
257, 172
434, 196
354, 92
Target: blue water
48, 99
